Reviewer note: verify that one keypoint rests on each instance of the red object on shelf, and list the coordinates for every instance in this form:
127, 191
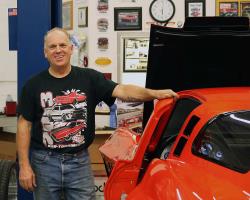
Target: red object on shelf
10, 108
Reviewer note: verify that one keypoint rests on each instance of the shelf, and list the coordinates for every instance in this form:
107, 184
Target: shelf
8, 121
104, 132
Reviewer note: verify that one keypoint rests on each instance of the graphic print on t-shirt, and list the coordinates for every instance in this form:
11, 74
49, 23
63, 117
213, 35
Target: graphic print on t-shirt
64, 118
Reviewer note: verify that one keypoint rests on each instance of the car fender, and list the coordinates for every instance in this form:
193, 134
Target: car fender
159, 183
173, 179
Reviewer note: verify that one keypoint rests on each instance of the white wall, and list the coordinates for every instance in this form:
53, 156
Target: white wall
8, 59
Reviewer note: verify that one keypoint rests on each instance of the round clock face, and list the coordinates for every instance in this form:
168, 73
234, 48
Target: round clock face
162, 10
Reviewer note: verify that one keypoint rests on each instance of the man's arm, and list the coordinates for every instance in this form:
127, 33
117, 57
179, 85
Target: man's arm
26, 174
137, 93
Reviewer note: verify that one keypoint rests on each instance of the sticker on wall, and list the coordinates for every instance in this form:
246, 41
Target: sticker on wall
103, 6
103, 43
103, 61
102, 24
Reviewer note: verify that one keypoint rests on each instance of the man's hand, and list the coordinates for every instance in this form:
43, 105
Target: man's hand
167, 93
136, 93
27, 178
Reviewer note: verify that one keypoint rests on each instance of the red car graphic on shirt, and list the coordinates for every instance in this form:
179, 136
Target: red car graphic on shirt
65, 133
71, 98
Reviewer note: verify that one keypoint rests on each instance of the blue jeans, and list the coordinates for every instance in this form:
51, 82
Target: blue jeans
67, 175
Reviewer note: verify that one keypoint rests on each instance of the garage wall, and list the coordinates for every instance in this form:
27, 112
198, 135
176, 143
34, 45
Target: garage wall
8, 59
114, 50
8, 68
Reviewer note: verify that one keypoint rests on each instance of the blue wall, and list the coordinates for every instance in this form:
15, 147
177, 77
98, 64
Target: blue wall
34, 19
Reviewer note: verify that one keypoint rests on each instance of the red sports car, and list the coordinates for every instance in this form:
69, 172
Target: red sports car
196, 147
65, 133
71, 98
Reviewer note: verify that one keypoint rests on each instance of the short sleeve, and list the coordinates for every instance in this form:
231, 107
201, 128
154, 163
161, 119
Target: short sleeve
104, 89
26, 102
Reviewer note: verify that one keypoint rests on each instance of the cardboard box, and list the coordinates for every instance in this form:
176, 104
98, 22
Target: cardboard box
95, 156
100, 181
7, 150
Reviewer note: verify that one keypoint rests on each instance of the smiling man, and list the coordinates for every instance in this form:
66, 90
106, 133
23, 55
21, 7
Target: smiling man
50, 104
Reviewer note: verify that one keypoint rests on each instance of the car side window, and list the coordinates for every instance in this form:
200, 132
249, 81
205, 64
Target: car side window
56, 108
183, 108
225, 141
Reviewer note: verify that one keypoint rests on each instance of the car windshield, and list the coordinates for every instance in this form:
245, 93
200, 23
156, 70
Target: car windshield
67, 106
226, 141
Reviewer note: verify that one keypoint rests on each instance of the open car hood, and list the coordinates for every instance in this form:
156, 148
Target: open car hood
206, 52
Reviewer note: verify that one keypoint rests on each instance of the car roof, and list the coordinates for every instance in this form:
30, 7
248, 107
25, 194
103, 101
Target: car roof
220, 99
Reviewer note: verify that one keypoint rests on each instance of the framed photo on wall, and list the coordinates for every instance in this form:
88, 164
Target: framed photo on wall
135, 54
245, 9
195, 8
67, 15
83, 17
128, 18
227, 8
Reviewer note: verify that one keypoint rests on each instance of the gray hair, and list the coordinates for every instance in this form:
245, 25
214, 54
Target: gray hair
56, 29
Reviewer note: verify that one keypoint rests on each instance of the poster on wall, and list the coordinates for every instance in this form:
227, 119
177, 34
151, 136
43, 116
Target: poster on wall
195, 8
130, 115
228, 9
128, 18
67, 15
135, 54
83, 17
245, 9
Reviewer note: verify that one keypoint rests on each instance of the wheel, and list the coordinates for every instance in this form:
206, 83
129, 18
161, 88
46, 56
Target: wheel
8, 180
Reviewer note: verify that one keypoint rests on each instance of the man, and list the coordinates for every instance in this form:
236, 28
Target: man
56, 122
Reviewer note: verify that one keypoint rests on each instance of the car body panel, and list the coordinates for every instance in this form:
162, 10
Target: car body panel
186, 176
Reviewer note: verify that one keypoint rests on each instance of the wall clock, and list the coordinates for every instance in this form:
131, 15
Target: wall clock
162, 10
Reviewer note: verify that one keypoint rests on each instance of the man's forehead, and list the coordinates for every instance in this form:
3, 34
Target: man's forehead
58, 37
57, 33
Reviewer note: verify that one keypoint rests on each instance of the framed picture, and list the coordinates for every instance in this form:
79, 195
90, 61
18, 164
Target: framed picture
83, 17
135, 54
227, 8
195, 8
245, 9
128, 18
67, 15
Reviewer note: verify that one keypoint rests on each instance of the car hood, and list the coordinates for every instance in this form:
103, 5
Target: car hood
207, 52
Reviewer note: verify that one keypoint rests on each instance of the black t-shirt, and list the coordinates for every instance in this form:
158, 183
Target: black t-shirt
62, 110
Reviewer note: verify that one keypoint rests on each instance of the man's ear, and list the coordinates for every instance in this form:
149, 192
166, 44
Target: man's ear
45, 54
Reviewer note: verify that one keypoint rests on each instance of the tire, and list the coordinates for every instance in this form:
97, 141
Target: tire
8, 180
